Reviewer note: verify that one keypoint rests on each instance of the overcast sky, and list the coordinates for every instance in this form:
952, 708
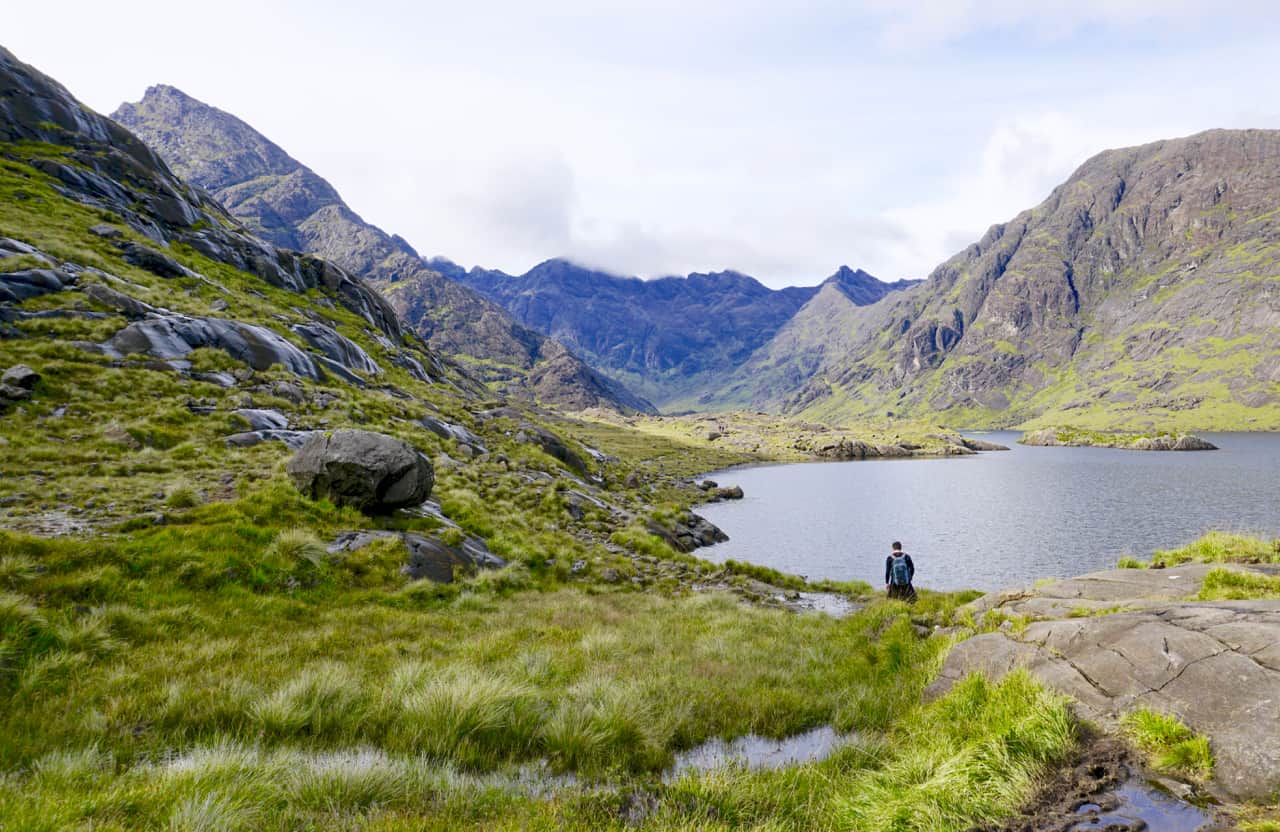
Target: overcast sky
667, 136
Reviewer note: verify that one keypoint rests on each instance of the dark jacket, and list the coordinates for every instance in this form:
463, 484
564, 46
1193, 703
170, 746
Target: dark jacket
888, 568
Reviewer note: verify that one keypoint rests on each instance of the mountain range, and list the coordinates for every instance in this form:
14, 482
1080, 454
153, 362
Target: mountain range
1143, 291
288, 204
673, 339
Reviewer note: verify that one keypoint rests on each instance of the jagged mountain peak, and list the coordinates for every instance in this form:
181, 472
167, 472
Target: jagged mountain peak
289, 204
1145, 289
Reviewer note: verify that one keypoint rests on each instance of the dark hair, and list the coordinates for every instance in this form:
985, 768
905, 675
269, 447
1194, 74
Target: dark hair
897, 546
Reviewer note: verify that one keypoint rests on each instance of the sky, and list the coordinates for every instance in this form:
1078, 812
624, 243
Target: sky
668, 136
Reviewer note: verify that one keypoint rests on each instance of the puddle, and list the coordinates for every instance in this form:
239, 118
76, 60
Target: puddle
1142, 806
836, 606
753, 751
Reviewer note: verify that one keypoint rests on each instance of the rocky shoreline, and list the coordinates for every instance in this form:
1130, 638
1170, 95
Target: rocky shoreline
1123, 639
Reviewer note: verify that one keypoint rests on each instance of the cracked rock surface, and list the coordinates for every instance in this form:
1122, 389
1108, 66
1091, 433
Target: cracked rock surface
1215, 664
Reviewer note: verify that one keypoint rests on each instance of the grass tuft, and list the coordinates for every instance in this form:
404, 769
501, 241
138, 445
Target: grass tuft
317, 702
1231, 585
1221, 547
970, 758
294, 546
1170, 745
466, 715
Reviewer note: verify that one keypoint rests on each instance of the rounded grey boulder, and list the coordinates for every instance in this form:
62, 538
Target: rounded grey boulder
369, 471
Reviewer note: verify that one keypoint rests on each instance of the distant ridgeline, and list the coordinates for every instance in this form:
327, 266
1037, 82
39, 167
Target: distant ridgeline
1145, 291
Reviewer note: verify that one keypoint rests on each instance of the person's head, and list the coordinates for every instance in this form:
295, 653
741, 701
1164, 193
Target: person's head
897, 547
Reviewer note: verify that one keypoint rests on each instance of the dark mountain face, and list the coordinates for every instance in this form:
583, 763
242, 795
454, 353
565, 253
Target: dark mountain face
255, 303
1145, 289
672, 338
289, 204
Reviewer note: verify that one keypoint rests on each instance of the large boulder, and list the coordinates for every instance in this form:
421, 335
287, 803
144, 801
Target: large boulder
372, 472
691, 532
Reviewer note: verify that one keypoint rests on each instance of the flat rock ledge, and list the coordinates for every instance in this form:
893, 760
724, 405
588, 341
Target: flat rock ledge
1215, 665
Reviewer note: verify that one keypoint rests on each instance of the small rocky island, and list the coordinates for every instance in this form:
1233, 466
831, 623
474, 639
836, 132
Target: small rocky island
1071, 437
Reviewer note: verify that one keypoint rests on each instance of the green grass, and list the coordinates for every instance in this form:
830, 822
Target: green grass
1230, 585
1170, 746
251, 704
1221, 547
198, 659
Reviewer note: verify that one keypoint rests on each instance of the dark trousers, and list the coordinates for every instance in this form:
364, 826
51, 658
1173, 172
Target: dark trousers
905, 592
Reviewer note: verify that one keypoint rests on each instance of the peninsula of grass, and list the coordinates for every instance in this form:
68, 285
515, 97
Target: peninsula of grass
1129, 441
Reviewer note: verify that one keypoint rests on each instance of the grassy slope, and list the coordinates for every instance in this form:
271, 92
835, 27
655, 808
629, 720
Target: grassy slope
199, 662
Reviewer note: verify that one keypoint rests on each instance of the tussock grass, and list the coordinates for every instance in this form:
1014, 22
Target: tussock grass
319, 701
16, 570
967, 759
466, 715
291, 547
1170, 745
182, 495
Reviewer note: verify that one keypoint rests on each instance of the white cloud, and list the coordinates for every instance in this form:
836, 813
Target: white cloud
921, 23
656, 137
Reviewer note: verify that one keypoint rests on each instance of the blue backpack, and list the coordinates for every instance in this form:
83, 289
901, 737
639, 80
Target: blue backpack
899, 572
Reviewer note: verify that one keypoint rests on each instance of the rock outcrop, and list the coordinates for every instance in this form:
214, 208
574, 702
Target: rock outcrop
175, 336
369, 471
1053, 437
1215, 665
691, 532
429, 557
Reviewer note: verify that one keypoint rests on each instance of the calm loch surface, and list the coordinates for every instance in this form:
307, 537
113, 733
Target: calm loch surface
997, 519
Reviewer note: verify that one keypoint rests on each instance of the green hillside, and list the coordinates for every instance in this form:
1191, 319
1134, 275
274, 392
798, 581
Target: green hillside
1144, 292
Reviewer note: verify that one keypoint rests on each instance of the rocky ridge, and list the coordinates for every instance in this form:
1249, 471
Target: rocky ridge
673, 338
290, 205
1127, 638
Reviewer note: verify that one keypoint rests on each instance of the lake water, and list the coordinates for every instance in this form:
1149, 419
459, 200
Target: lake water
998, 519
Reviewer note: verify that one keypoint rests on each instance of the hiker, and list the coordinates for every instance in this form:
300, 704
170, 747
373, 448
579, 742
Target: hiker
898, 572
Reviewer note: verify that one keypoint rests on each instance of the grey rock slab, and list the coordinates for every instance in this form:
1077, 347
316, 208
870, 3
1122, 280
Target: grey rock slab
337, 347
552, 445
429, 558
145, 257
458, 433
1213, 665
293, 439
263, 419
18, 286
129, 307
1113, 587
21, 376
174, 336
